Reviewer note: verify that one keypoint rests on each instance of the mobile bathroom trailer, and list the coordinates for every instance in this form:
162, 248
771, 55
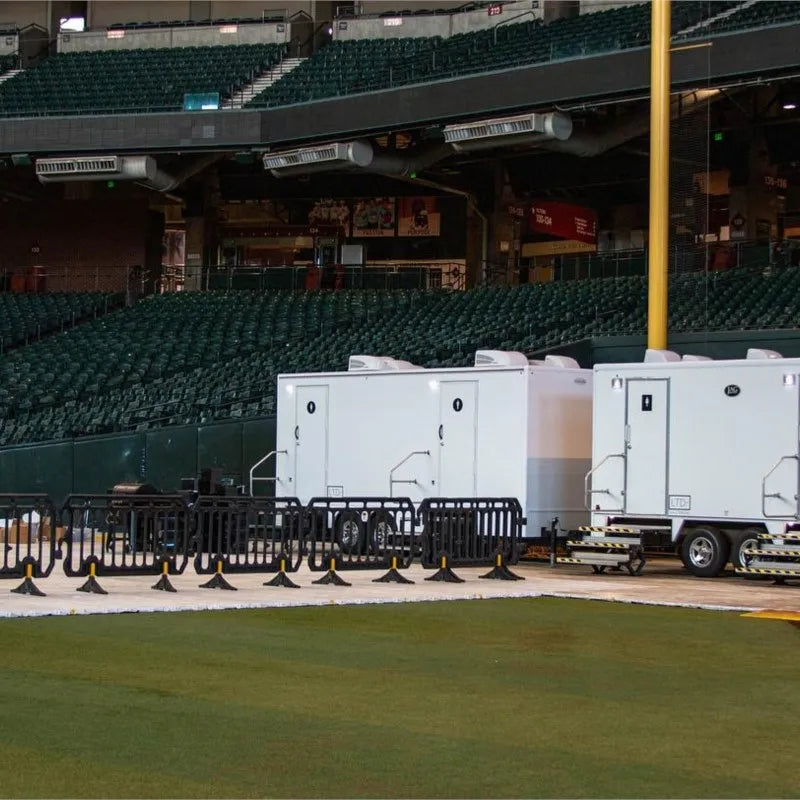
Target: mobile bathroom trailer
505, 427
702, 453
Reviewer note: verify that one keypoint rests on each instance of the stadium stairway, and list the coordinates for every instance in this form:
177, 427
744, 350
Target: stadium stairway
262, 82
136, 368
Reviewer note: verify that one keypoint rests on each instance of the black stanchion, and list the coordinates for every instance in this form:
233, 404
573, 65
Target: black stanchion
218, 581
92, 586
553, 541
393, 575
331, 577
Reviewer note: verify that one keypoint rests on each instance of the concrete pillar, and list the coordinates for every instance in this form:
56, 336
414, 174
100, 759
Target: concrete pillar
195, 246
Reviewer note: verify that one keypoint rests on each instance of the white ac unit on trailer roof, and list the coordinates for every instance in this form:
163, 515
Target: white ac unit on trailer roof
660, 356
689, 357
500, 358
565, 362
758, 352
378, 364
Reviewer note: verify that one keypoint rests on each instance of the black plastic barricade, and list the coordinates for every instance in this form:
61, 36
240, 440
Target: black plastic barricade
248, 534
471, 532
27, 538
125, 534
361, 533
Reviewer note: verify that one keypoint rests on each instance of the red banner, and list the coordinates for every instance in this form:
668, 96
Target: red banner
564, 220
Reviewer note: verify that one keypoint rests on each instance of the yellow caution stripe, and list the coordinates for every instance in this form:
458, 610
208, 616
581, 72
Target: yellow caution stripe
565, 560
767, 552
780, 537
604, 529
609, 545
763, 571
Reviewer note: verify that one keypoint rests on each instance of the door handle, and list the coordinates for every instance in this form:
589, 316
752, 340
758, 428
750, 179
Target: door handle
441, 432
297, 432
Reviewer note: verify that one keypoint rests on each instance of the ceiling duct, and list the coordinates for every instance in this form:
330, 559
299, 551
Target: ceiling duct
104, 168
321, 158
505, 131
594, 141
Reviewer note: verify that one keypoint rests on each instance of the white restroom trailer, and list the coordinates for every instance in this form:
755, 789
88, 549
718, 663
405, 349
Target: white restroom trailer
704, 450
505, 427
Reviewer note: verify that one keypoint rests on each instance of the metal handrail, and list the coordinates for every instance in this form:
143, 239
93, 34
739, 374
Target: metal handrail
259, 463
587, 492
393, 480
777, 495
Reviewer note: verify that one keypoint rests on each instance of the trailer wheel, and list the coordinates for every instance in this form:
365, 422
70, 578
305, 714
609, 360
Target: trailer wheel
741, 541
704, 552
382, 528
350, 534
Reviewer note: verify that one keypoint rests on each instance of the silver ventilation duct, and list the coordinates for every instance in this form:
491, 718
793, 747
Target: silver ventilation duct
104, 168
594, 141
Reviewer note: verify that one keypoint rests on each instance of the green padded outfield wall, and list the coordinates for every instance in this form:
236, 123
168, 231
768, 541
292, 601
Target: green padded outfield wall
161, 457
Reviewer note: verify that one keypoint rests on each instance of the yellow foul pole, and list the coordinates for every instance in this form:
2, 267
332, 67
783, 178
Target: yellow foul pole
659, 175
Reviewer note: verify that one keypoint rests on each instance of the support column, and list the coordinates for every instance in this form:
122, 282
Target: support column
659, 175
195, 245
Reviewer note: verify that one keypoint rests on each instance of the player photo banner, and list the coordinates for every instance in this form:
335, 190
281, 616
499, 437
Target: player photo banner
418, 216
373, 216
329, 211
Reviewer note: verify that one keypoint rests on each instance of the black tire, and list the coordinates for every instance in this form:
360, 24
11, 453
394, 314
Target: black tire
743, 540
382, 529
704, 551
350, 532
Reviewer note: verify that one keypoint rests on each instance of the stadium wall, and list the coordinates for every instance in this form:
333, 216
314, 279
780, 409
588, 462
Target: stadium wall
161, 457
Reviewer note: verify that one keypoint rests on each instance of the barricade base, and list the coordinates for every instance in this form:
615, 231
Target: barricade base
91, 586
392, 576
218, 582
445, 575
330, 577
28, 587
282, 579
163, 585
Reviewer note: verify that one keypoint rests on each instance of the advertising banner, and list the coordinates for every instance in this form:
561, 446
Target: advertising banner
564, 220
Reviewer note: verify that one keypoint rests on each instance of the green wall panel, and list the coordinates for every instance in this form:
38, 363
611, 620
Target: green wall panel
101, 463
220, 445
258, 439
171, 455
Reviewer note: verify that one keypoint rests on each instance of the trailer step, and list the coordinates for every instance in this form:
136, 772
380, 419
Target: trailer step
768, 571
606, 529
777, 552
602, 542
780, 538
599, 562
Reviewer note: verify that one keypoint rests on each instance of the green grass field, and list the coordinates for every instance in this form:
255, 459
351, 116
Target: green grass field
495, 698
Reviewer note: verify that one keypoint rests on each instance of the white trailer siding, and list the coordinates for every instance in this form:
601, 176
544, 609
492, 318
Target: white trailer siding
698, 440
519, 432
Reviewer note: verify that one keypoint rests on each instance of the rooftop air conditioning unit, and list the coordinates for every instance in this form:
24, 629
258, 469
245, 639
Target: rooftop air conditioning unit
758, 352
500, 358
660, 356
317, 159
689, 357
522, 129
564, 362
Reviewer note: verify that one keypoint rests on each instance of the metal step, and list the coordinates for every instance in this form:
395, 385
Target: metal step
784, 570
780, 538
602, 541
763, 563
774, 551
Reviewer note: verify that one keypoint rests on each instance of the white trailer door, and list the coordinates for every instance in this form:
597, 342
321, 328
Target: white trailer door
458, 418
311, 442
646, 446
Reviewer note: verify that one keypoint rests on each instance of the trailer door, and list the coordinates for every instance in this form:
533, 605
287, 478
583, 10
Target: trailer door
311, 441
458, 417
646, 446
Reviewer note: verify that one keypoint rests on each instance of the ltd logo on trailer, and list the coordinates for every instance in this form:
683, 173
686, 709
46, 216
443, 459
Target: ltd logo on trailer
732, 390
